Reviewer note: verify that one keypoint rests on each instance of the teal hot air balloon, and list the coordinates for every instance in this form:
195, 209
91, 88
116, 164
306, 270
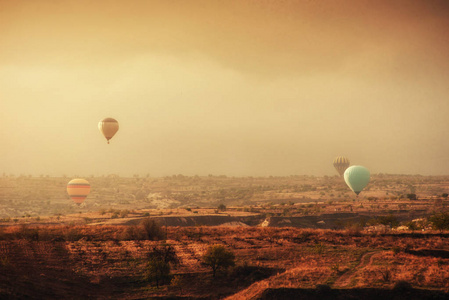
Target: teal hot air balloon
357, 177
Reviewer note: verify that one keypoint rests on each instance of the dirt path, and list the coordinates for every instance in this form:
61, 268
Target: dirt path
188, 258
365, 260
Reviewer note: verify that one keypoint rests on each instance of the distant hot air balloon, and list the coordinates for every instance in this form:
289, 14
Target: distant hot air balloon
108, 127
341, 164
357, 177
78, 189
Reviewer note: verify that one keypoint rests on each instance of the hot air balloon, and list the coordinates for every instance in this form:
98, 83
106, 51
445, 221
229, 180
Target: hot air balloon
108, 127
78, 189
341, 164
357, 177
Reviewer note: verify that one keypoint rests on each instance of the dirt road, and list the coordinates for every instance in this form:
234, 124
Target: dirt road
346, 278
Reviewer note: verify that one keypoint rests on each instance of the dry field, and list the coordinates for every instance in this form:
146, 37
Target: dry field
26, 198
100, 262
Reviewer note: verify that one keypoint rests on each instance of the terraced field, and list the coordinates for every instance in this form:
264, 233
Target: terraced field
96, 262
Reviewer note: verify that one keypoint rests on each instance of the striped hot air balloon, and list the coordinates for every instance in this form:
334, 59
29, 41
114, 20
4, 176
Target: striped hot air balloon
341, 163
108, 127
78, 189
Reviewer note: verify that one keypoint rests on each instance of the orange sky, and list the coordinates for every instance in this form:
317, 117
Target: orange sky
224, 87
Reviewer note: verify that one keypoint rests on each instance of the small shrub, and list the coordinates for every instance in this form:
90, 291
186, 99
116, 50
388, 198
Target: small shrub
412, 226
386, 275
389, 220
133, 233
396, 250
157, 271
402, 285
323, 288
354, 229
159, 260
249, 273
440, 221
177, 282
411, 196
124, 213
72, 234
222, 207
4, 262
218, 257
30, 234
336, 268
319, 248
153, 231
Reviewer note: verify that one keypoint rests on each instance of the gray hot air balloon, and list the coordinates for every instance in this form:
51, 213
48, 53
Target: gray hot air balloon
341, 163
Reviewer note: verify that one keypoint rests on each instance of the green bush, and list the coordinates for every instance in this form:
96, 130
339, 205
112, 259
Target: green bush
152, 230
390, 220
133, 232
27, 233
411, 196
218, 257
160, 259
157, 271
323, 288
440, 221
402, 286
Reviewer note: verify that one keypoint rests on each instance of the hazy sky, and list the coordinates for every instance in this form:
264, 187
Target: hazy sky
224, 87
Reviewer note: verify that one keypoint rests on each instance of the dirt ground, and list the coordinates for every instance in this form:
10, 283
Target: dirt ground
97, 262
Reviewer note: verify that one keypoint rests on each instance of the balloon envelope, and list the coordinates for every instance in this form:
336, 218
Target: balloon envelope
341, 163
357, 177
108, 127
78, 189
